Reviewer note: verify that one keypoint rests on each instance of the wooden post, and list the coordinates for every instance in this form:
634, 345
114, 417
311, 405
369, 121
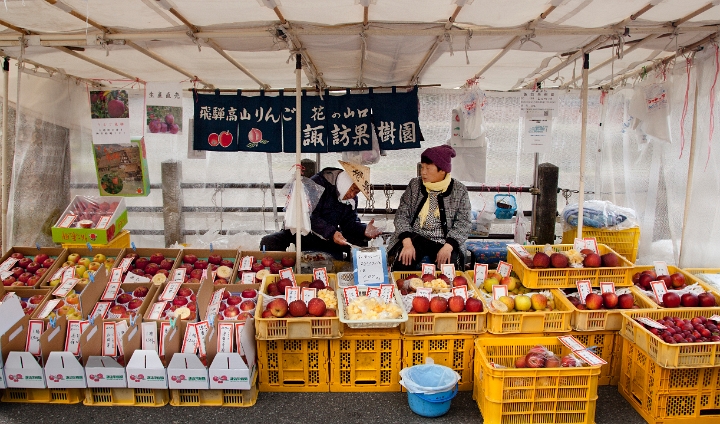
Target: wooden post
171, 174
546, 204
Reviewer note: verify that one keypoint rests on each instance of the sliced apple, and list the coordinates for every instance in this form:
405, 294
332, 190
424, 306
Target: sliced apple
260, 275
182, 312
224, 272
159, 278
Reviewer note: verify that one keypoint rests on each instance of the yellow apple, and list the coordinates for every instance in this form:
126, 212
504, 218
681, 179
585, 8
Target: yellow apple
508, 301
509, 282
84, 261
489, 283
522, 303
109, 262
55, 282
68, 263
74, 257
94, 266
99, 258
80, 270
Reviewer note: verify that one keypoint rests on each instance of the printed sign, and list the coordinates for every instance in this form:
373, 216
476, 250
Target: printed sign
584, 288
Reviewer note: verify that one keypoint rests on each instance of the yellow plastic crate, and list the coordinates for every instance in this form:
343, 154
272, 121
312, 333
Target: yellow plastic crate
97, 396
296, 327
293, 365
453, 351
606, 319
689, 279
366, 361
555, 321
216, 397
695, 271
624, 242
606, 348
62, 396
548, 278
120, 241
664, 395
546, 412
681, 355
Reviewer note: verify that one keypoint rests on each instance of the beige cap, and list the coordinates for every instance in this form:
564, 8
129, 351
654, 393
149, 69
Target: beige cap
360, 174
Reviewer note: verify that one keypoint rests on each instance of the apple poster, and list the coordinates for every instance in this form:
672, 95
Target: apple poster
163, 107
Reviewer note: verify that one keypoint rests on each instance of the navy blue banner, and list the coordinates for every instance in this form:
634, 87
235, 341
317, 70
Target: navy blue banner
314, 124
260, 124
216, 122
349, 122
395, 116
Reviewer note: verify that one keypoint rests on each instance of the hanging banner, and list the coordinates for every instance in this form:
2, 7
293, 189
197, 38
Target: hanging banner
395, 116
314, 130
110, 117
260, 127
215, 122
537, 132
163, 108
349, 122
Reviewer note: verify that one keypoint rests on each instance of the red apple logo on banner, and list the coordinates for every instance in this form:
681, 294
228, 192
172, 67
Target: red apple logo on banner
226, 138
213, 140
255, 137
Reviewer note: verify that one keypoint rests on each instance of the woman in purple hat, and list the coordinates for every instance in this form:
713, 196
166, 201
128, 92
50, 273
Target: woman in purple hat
433, 219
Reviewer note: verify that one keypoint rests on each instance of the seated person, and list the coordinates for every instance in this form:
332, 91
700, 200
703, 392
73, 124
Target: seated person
432, 221
334, 221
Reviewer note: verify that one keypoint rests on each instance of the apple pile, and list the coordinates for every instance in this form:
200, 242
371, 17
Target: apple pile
621, 299
678, 330
194, 267
268, 265
539, 357
679, 293
86, 210
514, 285
643, 279
586, 258
439, 304
29, 304
68, 307
238, 306
28, 271
183, 306
279, 308
127, 304
535, 301
166, 125
150, 267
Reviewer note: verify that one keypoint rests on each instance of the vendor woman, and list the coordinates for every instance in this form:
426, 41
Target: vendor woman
433, 219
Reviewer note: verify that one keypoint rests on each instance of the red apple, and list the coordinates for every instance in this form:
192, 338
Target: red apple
24, 262
196, 273
152, 268
37, 299
645, 280
275, 268
456, 304
706, 299
33, 280
231, 311
157, 257
185, 292
248, 293
134, 304
257, 266
166, 264
214, 259
665, 279
220, 281
189, 258
610, 300
227, 262
24, 277
287, 261
234, 300
594, 301
438, 304
32, 267
671, 300
689, 300
651, 273
123, 298
282, 284
626, 301
180, 301
247, 305
17, 255
317, 307
272, 289
200, 264
297, 308
459, 281
266, 314
278, 307
427, 277
141, 263
41, 257
266, 261
421, 304
677, 279
41, 271
164, 272
17, 271
473, 305
140, 292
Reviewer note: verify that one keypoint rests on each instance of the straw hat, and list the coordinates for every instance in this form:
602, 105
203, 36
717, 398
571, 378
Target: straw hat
360, 174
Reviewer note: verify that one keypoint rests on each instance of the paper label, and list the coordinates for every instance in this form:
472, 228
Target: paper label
170, 291
134, 278
661, 268
572, 343
103, 223
202, 328
289, 274
67, 221
8, 264
116, 275
386, 292
239, 327
428, 269
69, 273
607, 287
320, 274
448, 270
149, 336
248, 277
212, 311
461, 291
179, 275
308, 293
590, 358
715, 318
121, 328
58, 274
373, 292
650, 323
164, 330
109, 347
190, 341
578, 244
111, 291
125, 264
100, 310
659, 288
246, 263
49, 306
35, 330
291, 294
424, 292
72, 338
498, 291
584, 288
5, 274
481, 271
504, 269
225, 337
369, 267
519, 250
217, 296
350, 293
156, 310
591, 243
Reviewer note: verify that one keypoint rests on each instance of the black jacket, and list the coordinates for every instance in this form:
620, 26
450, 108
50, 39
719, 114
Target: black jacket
330, 215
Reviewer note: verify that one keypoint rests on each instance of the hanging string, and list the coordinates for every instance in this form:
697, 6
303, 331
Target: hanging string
449, 39
688, 64
712, 103
467, 46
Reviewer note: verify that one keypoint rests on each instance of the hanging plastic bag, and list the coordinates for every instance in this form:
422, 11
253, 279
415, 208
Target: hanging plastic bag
522, 224
310, 196
482, 214
599, 214
471, 105
365, 157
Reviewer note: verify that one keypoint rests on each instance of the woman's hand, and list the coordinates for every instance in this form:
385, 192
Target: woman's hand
443, 256
407, 255
338, 238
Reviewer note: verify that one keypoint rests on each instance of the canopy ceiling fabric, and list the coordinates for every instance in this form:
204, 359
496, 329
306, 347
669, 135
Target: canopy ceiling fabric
399, 38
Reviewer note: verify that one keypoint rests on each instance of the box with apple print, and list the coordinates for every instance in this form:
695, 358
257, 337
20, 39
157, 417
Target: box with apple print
263, 263
222, 262
29, 266
91, 219
84, 262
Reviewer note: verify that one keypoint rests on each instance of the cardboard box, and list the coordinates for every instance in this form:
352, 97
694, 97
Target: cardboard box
229, 254
146, 252
24, 294
101, 371
22, 369
130, 288
11, 323
145, 370
206, 291
88, 294
230, 370
108, 218
62, 369
259, 255
186, 371
56, 253
111, 254
122, 169
194, 287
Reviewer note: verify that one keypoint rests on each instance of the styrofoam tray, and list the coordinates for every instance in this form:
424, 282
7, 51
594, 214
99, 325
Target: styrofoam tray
389, 323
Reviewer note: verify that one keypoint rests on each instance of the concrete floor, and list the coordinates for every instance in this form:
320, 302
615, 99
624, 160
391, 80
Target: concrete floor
280, 408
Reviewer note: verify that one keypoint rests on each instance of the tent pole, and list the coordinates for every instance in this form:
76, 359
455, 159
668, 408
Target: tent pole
583, 141
298, 171
5, 153
688, 187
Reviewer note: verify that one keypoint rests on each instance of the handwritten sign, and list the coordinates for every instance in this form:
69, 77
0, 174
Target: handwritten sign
428, 269
650, 323
8, 264
69, 273
125, 264
373, 292
178, 275
591, 243
164, 330
308, 293
659, 288
350, 293
111, 291
481, 271
584, 288
504, 269
58, 274
202, 328
289, 274
109, 346
121, 328
499, 291
239, 327
661, 268
246, 263
448, 270
49, 306
572, 343
170, 291
292, 294
67, 221
134, 278
100, 310
65, 287
424, 292
248, 277
190, 340
519, 250
386, 292
607, 287
370, 267
156, 310
116, 275
225, 337
589, 357
149, 336
35, 330
578, 244
320, 274
72, 338
460, 291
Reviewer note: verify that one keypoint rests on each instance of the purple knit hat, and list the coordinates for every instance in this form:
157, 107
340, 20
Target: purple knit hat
440, 156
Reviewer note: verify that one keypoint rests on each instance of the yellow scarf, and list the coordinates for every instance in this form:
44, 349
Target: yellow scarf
440, 186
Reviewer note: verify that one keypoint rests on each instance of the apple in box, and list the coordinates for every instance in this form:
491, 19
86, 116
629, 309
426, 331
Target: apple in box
249, 294
267, 261
189, 258
247, 305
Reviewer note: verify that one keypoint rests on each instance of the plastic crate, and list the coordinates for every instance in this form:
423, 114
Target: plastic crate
358, 324
295, 327
547, 278
366, 361
624, 242
455, 352
121, 240
664, 395
695, 271
62, 396
681, 355
293, 365
689, 279
537, 322
606, 319
216, 397
607, 348
97, 396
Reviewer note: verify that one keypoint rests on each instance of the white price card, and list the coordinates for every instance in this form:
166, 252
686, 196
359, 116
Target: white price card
116, 275
661, 268
308, 293
131, 277
423, 292
212, 310
170, 291
498, 291
373, 292
121, 328
217, 296
225, 337
246, 263
460, 291
109, 346
578, 244
49, 306
590, 358
572, 343
504, 269
584, 288
248, 277
591, 243
104, 221
650, 323
8, 264
125, 264
149, 336
519, 250
67, 221
58, 274
289, 274
100, 310
350, 293
190, 340
5, 274
715, 318
370, 267
156, 310
607, 287
320, 274
386, 292
659, 288
448, 270
179, 275
111, 291
69, 273
292, 294
75, 328
65, 287
239, 327
35, 330
428, 269
164, 330
481, 271
202, 328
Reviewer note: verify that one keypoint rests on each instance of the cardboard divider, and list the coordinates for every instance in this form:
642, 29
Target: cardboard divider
62, 369
57, 253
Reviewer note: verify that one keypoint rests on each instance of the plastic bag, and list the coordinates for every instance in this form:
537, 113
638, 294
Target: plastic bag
570, 360
310, 196
471, 105
365, 157
428, 378
482, 215
522, 225
599, 214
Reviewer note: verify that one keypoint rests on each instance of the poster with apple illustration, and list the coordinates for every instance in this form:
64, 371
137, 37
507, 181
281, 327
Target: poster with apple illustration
163, 108
216, 122
110, 116
122, 168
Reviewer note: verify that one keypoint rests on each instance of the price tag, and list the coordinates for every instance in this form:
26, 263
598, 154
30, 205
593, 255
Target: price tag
8, 264
424, 292
248, 277
498, 291
715, 318
481, 271
58, 274
589, 357
428, 269
103, 223
100, 310
116, 275
164, 330
225, 337
373, 292
504, 269
111, 291
134, 278
149, 336
448, 270
308, 293
246, 263
607, 287
7, 296
49, 306
578, 244
572, 343
5, 274
239, 327
289, 274
386, 292
178, 275
650, 323
109, 347
204, 274
35, 330
190, 340
72, 338
584, 289
320, 274
67, 221
69, 273
125, 264
212, 310
156, 310
120, 328
661, 268
350, 293
461, 291
202, 329
591, 243
217, 296
291, 294
659, 288
519, 250
170, 291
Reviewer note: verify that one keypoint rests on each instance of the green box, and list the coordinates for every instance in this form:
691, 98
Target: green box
122, 169
108, 216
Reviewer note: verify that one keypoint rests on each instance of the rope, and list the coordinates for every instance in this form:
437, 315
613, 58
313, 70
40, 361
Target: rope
467, 46
712, 103
449, 39
688, 65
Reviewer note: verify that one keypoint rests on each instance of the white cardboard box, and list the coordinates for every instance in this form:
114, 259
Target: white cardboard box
146, 371
185, 371
228, 370
64, 371
103, 371
24, 371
